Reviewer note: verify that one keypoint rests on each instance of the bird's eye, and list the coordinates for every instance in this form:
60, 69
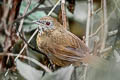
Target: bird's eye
48, 23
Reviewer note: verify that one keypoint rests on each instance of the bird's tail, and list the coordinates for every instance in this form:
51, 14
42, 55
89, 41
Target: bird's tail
94, 61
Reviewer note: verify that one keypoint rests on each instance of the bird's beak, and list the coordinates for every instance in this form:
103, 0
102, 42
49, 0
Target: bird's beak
37, 22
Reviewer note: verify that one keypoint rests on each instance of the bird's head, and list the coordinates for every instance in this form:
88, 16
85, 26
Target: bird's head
47, 24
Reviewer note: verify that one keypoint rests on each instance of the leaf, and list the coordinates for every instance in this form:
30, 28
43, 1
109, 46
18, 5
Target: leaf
28, 72
29, 27
61, 74
34, 16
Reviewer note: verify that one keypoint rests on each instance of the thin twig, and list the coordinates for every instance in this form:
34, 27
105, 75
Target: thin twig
53, 8
26, 50
27, 14
50, 2
63, 13
30, 46
26, 44
92, 18
87, 34
106, 49
105, 28
22, 21
96, 47
34, 49
97, 11
85, 71
35, 10
116, 4
88, 23
28, 58
102, 24
7, 23
4, 18
111, 33
7, 72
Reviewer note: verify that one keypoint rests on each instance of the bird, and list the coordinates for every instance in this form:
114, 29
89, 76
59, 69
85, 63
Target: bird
60, 45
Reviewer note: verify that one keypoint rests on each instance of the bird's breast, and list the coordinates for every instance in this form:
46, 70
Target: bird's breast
41, 41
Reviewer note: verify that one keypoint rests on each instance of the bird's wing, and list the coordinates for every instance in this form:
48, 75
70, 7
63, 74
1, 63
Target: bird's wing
69, 47
63, 53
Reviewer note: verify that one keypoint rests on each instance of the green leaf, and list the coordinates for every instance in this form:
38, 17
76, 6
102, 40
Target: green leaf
34, 16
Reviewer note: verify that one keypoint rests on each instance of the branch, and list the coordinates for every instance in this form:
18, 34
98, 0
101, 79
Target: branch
53, 7
25, 11
33, 10
99, 28
63, 13
30, 46
28, 58
105, 28
26, 44
88, 23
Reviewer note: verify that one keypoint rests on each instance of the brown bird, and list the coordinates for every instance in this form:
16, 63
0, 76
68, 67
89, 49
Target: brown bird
60, 45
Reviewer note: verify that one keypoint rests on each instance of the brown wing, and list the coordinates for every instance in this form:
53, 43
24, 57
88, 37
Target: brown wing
65, 46
64, 53
69, 41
